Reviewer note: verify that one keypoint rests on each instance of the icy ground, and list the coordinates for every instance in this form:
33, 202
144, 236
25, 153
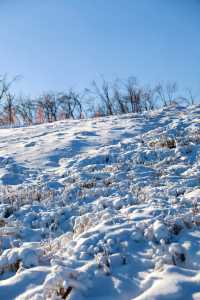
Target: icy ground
102, 209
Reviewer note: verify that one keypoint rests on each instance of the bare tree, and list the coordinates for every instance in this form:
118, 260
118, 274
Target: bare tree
4, 86
49, 104
121, 101
7, 99
26, 110
166, 94
148, 99
104, 94
9, 108
70, 104
191, 97
134, 94
171, 89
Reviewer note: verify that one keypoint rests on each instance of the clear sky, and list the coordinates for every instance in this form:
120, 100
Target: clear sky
57, 44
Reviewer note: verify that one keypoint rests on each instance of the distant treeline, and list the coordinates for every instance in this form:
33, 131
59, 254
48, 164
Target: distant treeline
107, 98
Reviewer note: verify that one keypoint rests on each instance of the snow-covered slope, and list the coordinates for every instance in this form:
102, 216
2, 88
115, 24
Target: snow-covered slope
104, 208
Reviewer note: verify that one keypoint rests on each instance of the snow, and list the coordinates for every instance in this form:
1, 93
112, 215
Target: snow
105, 208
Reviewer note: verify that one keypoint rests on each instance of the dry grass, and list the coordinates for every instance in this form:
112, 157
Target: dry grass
167, 142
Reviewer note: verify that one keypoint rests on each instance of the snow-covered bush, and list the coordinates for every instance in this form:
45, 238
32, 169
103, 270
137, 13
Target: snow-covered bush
61, 281
26, 256
178, 253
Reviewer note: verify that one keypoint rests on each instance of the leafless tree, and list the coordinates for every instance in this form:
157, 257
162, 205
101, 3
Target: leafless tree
9, 108
48, 103
26, 109
4, 86
148, 99
104, 95
70, 104
166, 93
120, 100
171, 89
191, 97
134, 94
7, 100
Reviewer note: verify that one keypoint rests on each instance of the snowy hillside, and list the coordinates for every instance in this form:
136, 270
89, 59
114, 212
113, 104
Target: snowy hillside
102, 209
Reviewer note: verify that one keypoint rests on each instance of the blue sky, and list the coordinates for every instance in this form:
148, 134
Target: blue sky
57, 44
